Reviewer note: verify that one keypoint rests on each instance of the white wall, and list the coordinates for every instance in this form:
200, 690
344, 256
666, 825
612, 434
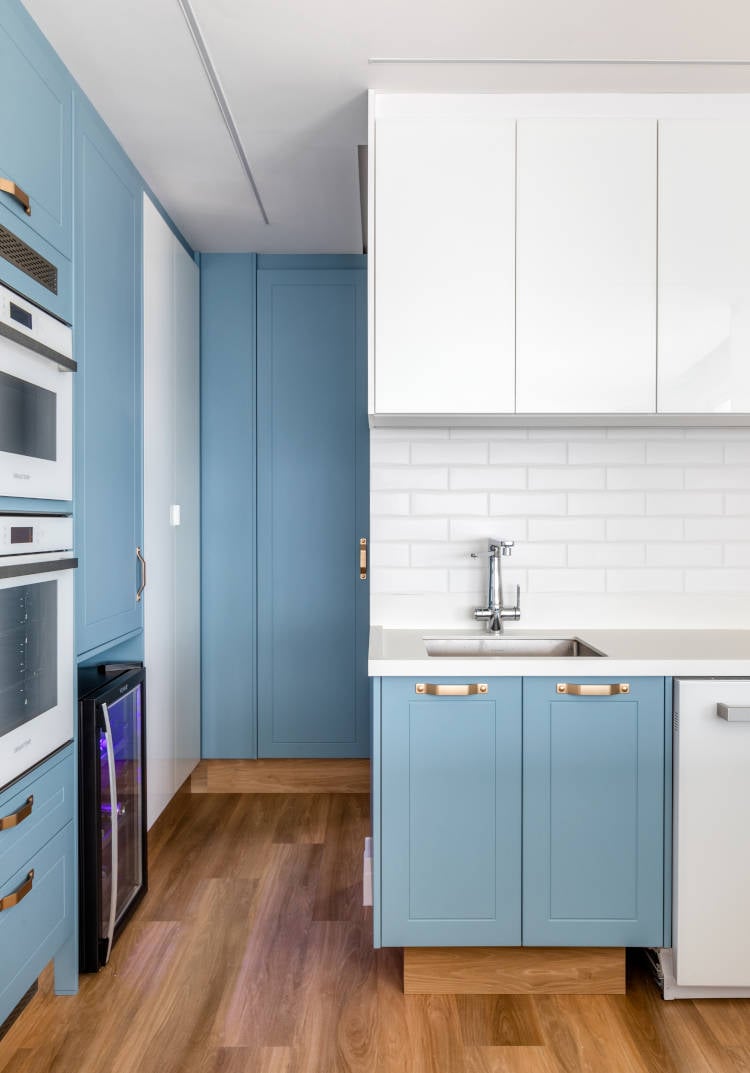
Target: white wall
616, 527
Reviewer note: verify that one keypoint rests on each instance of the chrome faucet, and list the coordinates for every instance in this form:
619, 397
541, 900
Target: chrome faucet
494, 614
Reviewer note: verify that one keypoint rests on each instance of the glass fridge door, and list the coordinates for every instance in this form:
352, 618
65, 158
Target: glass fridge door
121, 820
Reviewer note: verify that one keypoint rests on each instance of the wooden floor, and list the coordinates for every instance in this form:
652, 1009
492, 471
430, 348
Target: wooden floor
252, 954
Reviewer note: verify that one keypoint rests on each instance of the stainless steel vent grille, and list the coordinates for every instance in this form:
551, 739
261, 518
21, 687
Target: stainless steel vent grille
28, 260
676, 722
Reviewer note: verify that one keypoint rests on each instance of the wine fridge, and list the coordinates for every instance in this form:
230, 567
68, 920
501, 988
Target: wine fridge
111, 806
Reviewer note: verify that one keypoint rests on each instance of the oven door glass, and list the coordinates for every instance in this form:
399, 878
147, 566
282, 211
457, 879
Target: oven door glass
28, 653
28, 419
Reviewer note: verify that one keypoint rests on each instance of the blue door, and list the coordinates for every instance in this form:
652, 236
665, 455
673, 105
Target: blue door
593, 799
449, 802
108, 346
313, 510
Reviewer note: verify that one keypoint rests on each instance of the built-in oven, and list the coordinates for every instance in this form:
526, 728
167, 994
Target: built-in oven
36, 401
36, 640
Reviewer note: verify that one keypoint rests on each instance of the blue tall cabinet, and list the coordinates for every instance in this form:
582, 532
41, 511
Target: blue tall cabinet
285, 457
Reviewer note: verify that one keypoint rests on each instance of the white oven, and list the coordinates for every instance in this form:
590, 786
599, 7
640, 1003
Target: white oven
36, 640
36, 401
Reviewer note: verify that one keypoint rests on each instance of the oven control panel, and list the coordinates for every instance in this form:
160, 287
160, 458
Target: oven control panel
26, 534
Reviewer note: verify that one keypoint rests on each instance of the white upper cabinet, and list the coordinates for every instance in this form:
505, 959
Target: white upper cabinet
444, 263
586, 266
704, 266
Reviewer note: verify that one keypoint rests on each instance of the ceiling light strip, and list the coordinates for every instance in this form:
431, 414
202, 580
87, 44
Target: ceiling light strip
221, 99
553, 61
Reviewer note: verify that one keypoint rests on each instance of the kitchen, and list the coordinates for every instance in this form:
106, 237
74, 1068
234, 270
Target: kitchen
478, 402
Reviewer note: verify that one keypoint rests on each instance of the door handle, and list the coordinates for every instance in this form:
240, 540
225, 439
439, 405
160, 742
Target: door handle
114, 839
363, 558
9, 187
464, 689
18, 894
593, 689
14, 818
142, 561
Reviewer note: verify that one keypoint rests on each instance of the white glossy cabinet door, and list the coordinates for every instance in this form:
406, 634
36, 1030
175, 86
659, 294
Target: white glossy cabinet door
704, 266
444, 266
586, 266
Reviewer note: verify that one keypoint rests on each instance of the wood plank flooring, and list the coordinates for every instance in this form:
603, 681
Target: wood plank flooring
252, 954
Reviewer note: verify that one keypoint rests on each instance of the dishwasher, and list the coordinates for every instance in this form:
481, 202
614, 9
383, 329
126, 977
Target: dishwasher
710, 955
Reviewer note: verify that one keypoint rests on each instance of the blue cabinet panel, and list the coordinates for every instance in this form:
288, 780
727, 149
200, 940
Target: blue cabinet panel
52, 787
228, 514
36, 149
108, 347
593, 816
313, 508
450, 816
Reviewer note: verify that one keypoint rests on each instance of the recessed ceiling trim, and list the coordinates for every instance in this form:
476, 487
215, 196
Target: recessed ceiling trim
559, 60
221, 99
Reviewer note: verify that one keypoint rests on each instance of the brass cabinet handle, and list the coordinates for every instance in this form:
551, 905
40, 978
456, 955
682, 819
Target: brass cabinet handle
9, 187
597, 689
142, 561
18, 894
464, 689
363, 558
14, 818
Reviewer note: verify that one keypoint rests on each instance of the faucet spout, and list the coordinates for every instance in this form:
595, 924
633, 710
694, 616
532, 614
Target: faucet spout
494, 614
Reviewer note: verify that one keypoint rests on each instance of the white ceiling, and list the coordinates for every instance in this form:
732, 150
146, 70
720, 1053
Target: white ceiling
295, 74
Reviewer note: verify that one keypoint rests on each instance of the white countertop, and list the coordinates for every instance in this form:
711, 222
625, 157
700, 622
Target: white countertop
694, 653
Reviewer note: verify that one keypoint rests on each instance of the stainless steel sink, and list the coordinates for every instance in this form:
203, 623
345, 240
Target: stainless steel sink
469, 647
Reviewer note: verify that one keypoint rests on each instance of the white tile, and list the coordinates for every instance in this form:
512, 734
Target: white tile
685, 503
488, 477
644, 580
564, 529
605, 503
409, 581
532, 503
684, 554
455, 554
683, 452
567, 433
529, 453
445, 503
450, 452
643, 477
570, 580
408, 529
386, 478
645, 433
737, 554
566, 477
389, 502
718, 477
527, 554
481, 530
475, 582
606, 453
716, 529
410, 433
607, 553
644, 528
488, 434
389, 451
732, 580
737, 504
383, 554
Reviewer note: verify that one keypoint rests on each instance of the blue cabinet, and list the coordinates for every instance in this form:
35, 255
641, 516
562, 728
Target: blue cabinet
448, 795
37, 871
36, 144
312, 511
593, 794
452, 778
108, 347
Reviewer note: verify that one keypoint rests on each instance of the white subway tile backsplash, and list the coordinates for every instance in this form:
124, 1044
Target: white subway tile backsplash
608, 514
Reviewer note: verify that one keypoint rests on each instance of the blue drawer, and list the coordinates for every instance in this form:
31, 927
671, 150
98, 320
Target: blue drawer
52, 786
32, 932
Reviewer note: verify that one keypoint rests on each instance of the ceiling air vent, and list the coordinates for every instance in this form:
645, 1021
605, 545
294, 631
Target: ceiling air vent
28, 260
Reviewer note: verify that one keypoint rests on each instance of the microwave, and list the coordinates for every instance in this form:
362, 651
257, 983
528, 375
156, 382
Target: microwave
36, 640
36, 401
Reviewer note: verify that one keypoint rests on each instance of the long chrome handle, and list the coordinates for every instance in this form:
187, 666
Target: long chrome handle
142, 561
9, 187
363, 558
18, 894
113, 821
14, 818
464, 689
591, 689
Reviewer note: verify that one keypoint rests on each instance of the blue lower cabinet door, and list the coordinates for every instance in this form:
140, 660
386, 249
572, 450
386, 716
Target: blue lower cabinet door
451, 815
593, 828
